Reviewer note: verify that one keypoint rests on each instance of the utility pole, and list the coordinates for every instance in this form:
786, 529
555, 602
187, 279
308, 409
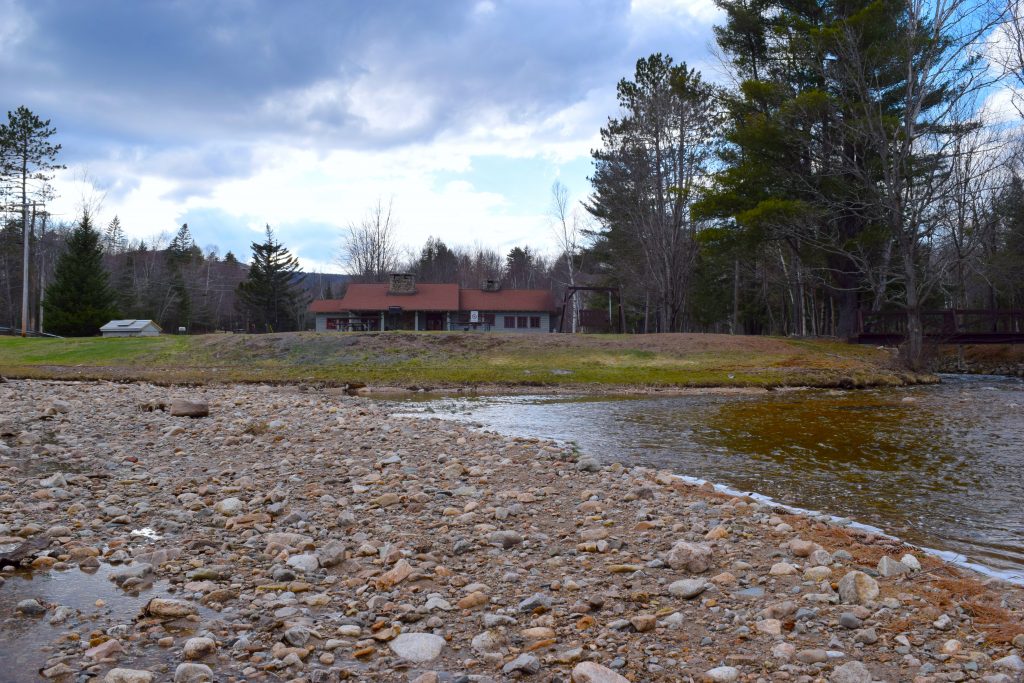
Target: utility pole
24, 272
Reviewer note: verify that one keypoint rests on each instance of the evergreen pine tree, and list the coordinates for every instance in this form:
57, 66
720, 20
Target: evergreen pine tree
270, 296
79, 300
114, 241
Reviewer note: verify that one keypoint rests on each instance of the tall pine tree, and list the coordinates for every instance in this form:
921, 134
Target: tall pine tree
271, 296
79, 300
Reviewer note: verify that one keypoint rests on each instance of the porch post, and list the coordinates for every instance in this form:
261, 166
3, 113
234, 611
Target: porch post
416, 321
382, 321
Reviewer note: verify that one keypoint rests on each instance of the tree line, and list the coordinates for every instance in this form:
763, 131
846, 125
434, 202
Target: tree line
851, 164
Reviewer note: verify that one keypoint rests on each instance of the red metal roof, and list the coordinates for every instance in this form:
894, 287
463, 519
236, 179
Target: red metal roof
507, 300
447, 297
376, 298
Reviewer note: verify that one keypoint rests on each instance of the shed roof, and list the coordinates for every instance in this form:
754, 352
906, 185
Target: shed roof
376, 298
507, 300
128, 326
432, 297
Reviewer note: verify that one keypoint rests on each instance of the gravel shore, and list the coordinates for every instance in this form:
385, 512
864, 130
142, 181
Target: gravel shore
299, 534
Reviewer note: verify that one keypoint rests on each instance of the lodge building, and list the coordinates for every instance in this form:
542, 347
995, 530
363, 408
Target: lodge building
402, 304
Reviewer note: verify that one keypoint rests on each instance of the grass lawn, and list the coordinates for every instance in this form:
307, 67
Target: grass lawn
450, 359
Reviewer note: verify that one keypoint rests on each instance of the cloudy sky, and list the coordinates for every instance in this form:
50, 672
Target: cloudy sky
229, 115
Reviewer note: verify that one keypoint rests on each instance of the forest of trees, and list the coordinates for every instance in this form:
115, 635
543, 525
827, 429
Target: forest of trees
848, 162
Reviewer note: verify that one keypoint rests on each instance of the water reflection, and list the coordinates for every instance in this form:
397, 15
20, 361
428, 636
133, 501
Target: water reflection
938, 466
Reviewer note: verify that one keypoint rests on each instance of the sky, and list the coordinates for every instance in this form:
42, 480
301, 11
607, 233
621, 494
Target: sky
303, 114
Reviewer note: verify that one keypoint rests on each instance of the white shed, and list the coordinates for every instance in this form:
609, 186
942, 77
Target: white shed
130, 328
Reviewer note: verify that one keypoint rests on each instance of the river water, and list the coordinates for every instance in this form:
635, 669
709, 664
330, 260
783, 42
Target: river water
939, 466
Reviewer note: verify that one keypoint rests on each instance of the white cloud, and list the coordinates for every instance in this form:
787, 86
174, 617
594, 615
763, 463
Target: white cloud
679, 11
16, 26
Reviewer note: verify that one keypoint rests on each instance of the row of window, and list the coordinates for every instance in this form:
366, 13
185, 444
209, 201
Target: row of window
522, 322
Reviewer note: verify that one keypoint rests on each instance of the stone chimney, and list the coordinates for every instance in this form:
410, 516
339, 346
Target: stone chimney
402, 283
489, 285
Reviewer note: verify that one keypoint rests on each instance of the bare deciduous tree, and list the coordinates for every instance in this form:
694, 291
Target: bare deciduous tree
567, 225
370, 250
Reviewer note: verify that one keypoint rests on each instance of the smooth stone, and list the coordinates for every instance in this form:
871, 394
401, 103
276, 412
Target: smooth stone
889, 567
692, 557
183, 408
722, 674
417, 647
524, 663
128, 676
199, 647
190, 672
857, 588
30, 608
851, 672
687, 588
590, 672
307, 562
229, 507
1010, 663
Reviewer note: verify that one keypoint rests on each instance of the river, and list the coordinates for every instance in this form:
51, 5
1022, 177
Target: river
939, 466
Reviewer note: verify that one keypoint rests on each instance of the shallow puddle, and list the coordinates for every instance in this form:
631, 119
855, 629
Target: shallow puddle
29, 641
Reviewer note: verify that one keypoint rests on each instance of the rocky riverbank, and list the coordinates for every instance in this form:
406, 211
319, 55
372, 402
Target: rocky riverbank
305, 535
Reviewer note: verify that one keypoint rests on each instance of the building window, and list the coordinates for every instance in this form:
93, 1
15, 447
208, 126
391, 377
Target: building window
510, 322
332, 323
522, 322
535, 321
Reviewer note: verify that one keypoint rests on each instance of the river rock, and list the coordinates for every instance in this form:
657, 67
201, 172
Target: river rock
128, 676
1010, 663
107, 648
307, 562
505, 539
229, 507
722, 674
851, 672
192, 672
889, 567
857, 588
687, 588
911, 562
589, 672
169, 608
417, 648
30, 608
193, 409
524, 664
55, 480
692, 557
197, 648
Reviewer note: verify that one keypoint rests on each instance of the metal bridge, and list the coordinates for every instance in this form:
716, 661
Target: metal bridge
945, 326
